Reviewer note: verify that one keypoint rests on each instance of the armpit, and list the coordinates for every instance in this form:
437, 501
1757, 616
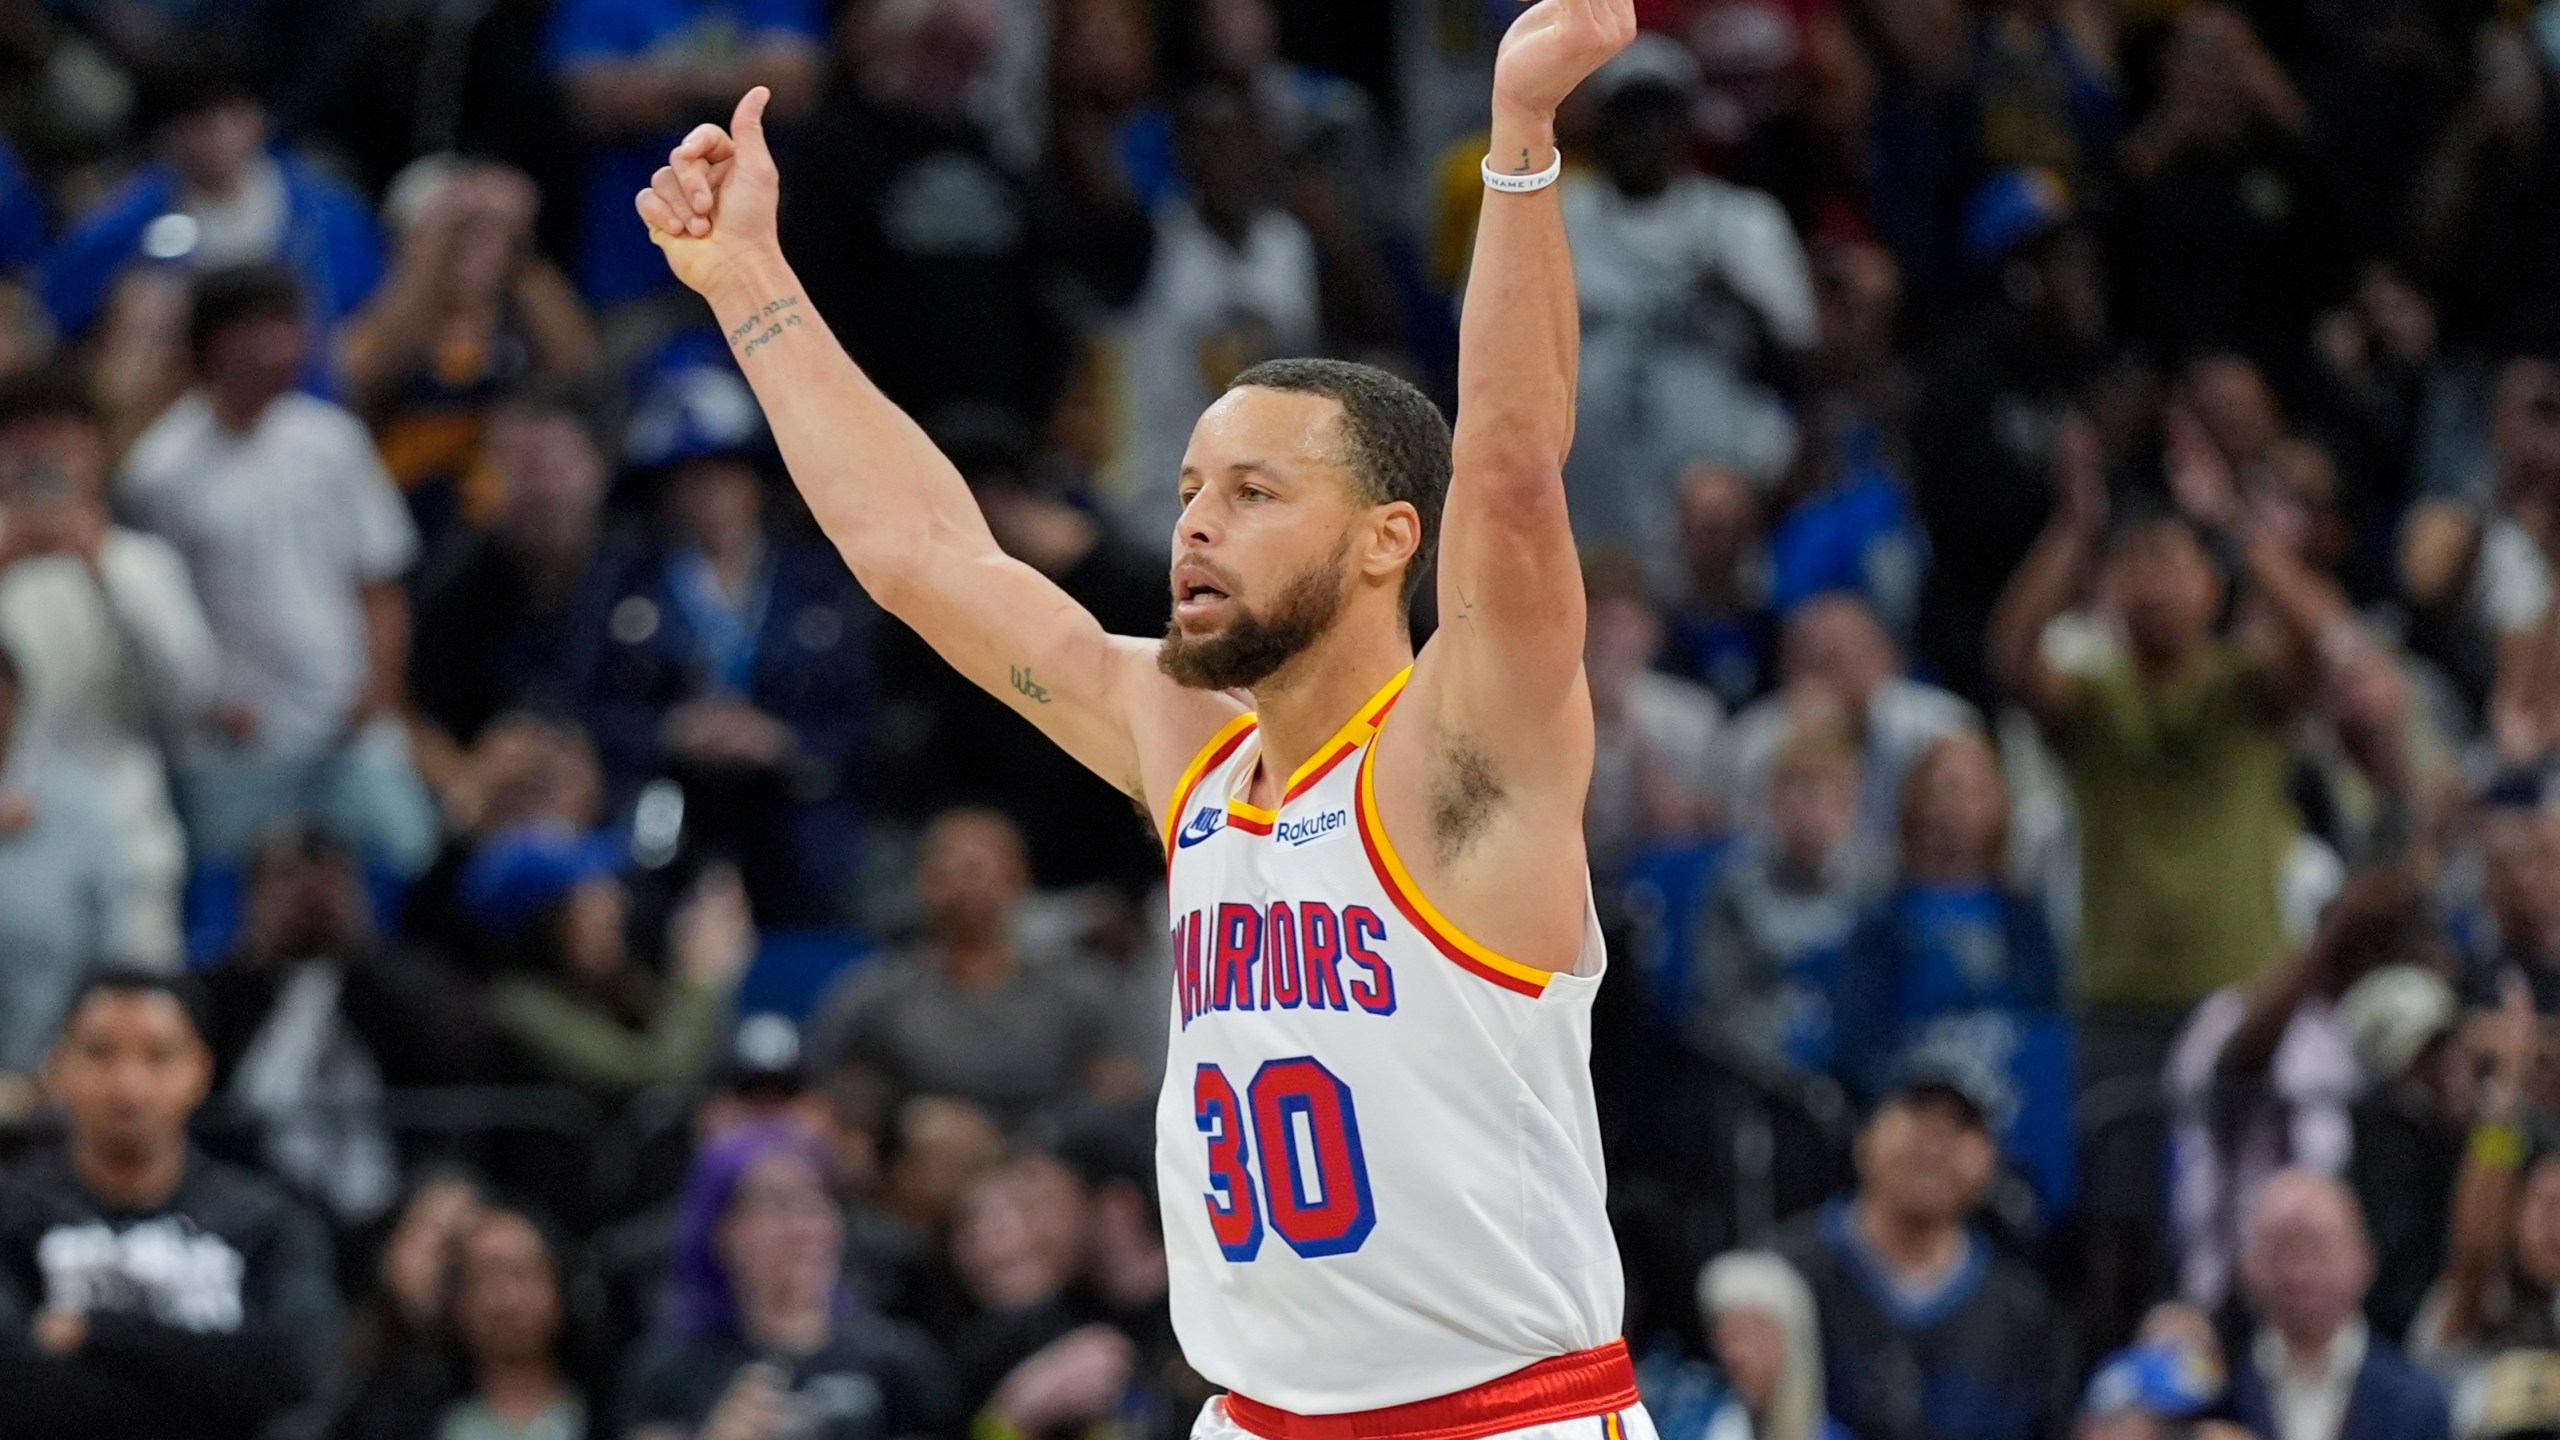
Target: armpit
1465, 795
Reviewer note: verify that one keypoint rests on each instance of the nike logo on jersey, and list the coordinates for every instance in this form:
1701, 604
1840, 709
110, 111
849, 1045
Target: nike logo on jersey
1207, 821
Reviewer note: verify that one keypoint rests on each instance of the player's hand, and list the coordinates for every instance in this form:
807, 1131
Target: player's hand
713, 203
1554, 46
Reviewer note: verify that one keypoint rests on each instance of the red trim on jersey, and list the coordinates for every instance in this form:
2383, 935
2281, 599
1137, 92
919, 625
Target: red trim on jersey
1236, 820
1569, 1387
1353, 736
1406, 906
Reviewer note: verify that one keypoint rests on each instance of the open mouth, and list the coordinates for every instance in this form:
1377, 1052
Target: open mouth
1195, 594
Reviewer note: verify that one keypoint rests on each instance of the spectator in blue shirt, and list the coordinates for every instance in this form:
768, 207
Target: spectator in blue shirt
22, 227
729, 659
1953, 956
1722, 633
215, 196
638, 74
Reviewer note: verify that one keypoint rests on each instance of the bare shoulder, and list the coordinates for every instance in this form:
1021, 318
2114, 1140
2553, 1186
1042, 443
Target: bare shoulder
1171, 726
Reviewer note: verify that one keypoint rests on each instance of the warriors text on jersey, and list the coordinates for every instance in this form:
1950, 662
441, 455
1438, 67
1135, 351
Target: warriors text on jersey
1376, 1144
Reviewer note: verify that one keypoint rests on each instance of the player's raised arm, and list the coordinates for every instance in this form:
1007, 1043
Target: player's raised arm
895, 508
1511, 613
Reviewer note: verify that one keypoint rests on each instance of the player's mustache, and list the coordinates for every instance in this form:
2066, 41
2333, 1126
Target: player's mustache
1220, 575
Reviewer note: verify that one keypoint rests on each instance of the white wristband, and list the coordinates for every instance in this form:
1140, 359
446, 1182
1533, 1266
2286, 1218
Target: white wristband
1523, 184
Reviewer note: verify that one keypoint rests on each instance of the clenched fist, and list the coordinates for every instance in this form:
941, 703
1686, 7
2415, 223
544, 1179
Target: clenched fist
712, 204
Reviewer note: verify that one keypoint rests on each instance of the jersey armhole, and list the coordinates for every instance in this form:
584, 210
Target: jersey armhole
1211, 756
1409, 900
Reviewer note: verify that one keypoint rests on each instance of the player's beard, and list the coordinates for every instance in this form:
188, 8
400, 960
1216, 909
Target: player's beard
1254, 646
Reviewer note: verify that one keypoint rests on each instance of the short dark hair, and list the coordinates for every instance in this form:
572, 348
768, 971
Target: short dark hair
55, 392
240, 293
117, 979
206, 74
1397, 440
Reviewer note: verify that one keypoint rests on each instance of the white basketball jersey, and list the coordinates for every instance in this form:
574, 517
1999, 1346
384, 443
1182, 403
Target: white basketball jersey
1376, 1146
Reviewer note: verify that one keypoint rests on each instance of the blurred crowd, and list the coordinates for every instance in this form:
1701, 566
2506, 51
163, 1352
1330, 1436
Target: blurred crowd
501, 940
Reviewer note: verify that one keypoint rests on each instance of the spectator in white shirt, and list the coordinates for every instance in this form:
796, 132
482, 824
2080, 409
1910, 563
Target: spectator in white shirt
110, 644
2315, 1372
61, 888
1691, 288
1233, 282
1837, 660
297, 542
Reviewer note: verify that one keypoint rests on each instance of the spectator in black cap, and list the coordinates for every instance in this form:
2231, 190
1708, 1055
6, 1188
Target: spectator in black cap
145, 1289
1929, 1332
729, 658
213, 196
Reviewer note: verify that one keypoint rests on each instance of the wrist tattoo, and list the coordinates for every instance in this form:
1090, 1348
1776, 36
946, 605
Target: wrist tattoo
1030, 689
766, 325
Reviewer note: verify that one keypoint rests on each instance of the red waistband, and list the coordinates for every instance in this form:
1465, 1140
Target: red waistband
1568, 1387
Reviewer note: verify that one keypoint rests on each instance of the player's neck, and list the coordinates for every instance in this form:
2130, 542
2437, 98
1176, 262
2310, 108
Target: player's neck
1301, 707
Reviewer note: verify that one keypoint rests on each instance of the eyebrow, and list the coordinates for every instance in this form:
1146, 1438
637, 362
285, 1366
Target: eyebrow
1241, 467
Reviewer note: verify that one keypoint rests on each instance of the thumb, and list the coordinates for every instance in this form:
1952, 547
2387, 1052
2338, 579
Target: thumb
747, 126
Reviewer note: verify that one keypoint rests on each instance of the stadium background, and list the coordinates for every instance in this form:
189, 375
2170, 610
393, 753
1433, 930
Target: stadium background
2070, 491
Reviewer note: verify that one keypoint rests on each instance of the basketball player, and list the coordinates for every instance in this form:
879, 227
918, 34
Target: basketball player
1376, 1146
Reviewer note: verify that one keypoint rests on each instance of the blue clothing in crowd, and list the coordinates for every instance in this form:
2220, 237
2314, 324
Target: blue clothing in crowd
1860, 536
329, 239
1972, 1359
2392, 1400
1973, 968
616, 261
22, 214
654, 637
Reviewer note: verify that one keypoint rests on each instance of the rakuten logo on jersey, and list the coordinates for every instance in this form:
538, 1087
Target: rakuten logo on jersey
1312, 829
1283, 957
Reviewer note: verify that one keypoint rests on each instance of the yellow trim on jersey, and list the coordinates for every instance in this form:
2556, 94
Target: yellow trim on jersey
1401, 880
1354, 733
1200, 763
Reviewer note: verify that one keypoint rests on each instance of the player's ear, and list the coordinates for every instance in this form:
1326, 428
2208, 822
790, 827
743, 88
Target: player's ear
1395, 537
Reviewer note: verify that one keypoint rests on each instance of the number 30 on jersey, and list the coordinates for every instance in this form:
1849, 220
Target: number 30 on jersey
1296, 1126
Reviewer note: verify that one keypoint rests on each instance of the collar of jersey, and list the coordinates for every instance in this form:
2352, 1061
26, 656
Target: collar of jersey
1346, 741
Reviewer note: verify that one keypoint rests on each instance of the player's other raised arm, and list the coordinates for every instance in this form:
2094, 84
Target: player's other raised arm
1510, 585
894, 507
